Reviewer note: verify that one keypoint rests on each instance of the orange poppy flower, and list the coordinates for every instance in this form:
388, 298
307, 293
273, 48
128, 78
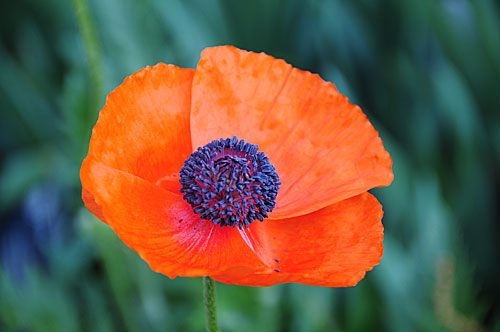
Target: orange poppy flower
317, 157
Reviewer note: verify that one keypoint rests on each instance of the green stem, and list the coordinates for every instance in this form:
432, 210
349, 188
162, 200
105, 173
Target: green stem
88, 31
210, 305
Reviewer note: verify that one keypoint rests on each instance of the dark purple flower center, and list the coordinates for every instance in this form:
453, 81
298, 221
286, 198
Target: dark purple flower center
229, 183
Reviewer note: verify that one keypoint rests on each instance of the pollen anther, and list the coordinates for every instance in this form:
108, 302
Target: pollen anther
230, 183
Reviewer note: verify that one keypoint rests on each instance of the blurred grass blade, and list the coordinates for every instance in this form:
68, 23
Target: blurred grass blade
88, 31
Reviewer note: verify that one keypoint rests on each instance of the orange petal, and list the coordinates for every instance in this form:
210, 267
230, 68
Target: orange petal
333, 247
324, 148
90, 203
144, 127
161, 227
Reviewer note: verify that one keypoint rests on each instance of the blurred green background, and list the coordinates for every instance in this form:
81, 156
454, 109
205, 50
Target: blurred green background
427, 74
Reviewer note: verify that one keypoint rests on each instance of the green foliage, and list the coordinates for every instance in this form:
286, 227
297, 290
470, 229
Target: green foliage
427, 73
